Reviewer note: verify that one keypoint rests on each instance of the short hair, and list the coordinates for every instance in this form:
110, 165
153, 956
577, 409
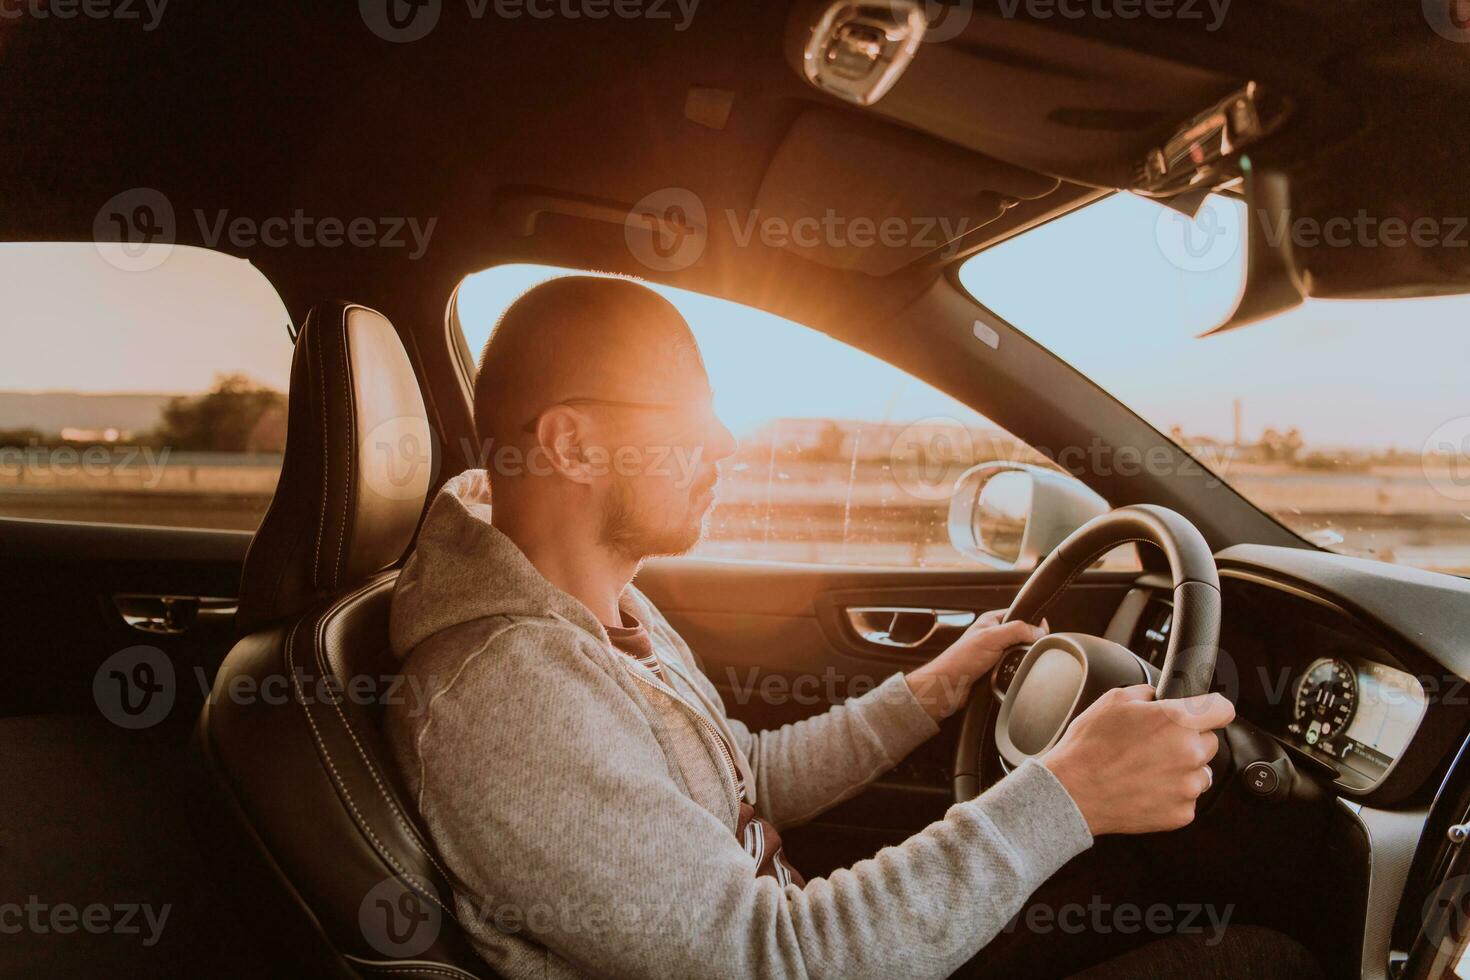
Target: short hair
567, 327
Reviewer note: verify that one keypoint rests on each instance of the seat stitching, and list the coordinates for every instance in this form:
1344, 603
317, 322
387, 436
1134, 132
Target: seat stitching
351, 449
408, 966
316, 565
331, 766
362, 753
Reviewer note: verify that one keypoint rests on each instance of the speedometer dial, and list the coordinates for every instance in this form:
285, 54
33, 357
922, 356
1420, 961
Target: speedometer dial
1326, 698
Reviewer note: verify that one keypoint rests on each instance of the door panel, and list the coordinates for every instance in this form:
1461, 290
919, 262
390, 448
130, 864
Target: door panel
60, 587
105, 814
778, 645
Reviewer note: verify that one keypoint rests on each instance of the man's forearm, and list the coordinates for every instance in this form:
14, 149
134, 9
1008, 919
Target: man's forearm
939, 689
804, 768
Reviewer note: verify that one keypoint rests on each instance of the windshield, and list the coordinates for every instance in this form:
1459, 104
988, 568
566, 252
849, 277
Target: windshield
1347, 421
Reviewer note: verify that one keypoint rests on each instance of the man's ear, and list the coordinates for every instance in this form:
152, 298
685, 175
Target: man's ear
560, 436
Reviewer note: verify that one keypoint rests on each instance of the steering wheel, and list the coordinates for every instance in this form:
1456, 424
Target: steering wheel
1062, 673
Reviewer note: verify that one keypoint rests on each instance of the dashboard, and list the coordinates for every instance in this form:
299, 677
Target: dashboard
1360, 670
1355, 697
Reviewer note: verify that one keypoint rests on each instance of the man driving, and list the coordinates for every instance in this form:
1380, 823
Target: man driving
598, 811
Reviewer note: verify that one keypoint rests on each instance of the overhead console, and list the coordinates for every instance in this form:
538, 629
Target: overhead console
1087, 110
1174, 108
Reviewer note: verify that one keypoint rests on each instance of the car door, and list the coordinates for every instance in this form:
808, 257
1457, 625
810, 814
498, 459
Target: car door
141, 423
827, 563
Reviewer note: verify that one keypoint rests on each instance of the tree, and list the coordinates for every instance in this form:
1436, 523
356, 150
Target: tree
230, 418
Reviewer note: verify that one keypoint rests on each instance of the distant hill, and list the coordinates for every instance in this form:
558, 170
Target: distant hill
52, 411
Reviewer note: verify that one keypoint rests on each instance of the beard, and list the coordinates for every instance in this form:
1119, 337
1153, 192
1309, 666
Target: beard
637, 535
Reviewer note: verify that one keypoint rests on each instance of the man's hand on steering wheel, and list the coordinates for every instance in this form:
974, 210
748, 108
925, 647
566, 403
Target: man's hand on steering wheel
943, 684
1134, 765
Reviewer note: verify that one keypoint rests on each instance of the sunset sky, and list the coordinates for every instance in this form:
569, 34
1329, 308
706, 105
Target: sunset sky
75, 322
1097, 287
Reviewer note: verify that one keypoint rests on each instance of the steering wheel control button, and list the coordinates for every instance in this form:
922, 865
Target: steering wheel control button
1271, 780
1005, 671
1261, 779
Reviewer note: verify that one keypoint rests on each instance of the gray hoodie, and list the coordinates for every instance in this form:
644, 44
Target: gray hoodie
587, 816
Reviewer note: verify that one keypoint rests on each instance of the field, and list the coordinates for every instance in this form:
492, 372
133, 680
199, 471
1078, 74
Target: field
791, 510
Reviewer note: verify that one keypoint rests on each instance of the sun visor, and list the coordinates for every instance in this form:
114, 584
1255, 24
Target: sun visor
898, 196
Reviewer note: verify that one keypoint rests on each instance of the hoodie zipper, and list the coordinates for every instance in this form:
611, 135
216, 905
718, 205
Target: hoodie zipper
731, 769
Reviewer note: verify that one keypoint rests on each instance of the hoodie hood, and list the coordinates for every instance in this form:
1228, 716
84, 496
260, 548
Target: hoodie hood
464, 569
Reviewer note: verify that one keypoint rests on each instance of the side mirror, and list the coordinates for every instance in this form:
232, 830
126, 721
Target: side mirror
1009, 515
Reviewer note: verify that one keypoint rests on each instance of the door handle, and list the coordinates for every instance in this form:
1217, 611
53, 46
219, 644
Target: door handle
172, 614
904, 627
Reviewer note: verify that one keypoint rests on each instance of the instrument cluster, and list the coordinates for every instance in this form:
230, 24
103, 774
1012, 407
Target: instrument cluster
1354, 714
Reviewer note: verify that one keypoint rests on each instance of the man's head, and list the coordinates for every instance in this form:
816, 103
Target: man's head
592, 399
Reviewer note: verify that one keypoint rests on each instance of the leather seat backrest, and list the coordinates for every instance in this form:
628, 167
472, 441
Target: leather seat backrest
292, 731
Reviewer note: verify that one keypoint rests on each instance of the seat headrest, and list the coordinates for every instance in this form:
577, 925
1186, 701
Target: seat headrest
356, 471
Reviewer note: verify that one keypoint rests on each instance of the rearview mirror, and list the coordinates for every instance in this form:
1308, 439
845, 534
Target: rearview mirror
1010, 515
